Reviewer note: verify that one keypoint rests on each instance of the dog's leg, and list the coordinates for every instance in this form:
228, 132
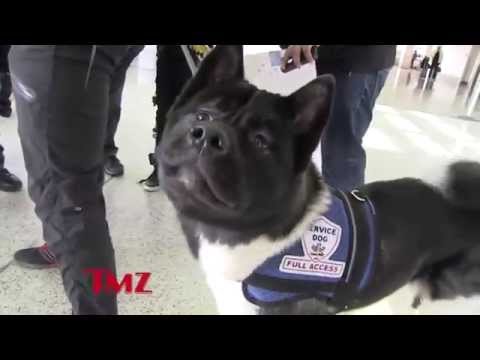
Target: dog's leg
422, 292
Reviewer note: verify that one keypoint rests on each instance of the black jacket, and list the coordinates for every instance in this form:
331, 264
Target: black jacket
354, 58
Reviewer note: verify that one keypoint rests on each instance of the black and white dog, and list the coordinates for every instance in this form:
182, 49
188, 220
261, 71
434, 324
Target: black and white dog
271, 236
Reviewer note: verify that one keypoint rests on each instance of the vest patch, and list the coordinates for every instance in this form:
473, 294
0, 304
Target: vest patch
319, 243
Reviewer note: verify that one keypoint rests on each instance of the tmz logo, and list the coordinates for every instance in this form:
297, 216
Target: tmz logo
104, 281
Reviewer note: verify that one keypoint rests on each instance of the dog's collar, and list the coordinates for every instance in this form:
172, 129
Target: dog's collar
326, 262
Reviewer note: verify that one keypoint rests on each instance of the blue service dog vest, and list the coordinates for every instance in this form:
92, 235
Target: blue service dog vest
334, 259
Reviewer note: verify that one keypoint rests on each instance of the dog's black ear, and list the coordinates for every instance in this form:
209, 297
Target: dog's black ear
312, 106
225, 62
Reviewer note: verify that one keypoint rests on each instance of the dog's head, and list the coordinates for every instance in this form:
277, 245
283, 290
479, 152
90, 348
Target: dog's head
231, 153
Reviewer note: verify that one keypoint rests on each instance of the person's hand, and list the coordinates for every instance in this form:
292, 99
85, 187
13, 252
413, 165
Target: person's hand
295, 52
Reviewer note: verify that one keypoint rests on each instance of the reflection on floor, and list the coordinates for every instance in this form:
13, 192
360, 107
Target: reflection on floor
407, 90
145, 232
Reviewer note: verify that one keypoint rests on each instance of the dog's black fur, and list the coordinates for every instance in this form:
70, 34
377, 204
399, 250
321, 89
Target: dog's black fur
235, 162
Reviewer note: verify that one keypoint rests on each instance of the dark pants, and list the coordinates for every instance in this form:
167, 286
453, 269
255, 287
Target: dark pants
433, 72
5, 88
5, 83
173, 73
2, 158
115, 104
62, 125
4, 49
343, 157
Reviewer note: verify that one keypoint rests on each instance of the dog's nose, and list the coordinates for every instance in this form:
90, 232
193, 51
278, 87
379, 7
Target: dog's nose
197, 134
208, 136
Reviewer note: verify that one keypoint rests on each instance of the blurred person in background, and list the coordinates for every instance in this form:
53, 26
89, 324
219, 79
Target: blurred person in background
435, 67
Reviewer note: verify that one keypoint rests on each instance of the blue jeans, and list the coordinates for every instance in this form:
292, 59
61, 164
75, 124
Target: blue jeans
343, 157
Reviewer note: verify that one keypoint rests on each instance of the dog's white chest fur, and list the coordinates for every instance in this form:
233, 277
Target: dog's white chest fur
237, 262
227, 266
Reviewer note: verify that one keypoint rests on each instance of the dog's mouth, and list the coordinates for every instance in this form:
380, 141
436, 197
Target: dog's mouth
188, 184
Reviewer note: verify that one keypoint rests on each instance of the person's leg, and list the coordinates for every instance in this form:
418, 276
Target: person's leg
173, 73
343, 157
8, 181
62, 125
113, 167
431, 78
5, 83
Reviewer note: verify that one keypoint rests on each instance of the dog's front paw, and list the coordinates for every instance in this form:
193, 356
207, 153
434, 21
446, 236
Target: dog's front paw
422, 291
417, 301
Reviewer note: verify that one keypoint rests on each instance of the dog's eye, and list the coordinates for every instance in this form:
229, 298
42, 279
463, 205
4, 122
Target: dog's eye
261, 141
203, 116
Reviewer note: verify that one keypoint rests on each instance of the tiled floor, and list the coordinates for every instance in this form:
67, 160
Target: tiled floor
144, 229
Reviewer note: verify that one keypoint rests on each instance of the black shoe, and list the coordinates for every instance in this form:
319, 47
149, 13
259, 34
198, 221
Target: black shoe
9, 182
5, 111
151, 184
113, 166
36, 258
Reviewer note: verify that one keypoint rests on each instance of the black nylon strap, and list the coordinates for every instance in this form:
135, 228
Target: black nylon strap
347, 291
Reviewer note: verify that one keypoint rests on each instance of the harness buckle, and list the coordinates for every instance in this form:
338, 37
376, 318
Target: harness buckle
357, 195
